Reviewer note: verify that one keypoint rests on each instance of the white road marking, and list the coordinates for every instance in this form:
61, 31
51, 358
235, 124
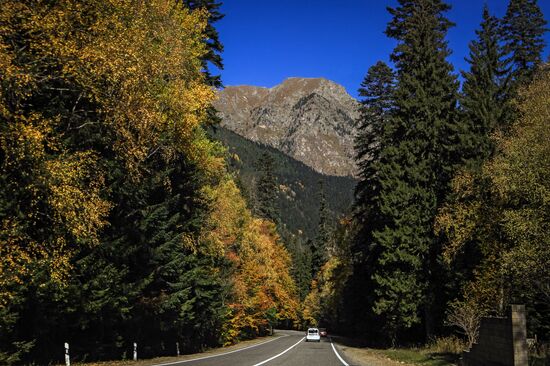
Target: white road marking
220, 354
337, 355
280, 354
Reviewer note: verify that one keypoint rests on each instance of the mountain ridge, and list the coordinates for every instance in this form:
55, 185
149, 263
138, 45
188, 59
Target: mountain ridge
310, 119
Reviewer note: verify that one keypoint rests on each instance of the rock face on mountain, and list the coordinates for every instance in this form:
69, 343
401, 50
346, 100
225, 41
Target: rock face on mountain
310, 119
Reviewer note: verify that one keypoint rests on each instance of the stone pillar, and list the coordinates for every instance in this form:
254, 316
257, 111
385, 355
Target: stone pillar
519, 334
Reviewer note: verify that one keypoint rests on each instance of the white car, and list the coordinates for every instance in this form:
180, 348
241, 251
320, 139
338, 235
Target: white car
313, 335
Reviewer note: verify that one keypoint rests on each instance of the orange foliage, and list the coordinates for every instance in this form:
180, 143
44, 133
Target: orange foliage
261, 279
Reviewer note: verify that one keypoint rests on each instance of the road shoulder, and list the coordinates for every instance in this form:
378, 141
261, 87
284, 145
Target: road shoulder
362, 356
167, 360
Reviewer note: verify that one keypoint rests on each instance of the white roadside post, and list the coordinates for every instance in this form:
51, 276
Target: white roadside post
135, 351
67, 358
178, 348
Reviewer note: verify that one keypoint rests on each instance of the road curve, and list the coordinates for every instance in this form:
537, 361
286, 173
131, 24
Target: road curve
290, 349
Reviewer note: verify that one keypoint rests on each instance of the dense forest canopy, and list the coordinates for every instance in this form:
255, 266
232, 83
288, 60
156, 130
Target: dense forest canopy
449, 216
120, 223
124, 218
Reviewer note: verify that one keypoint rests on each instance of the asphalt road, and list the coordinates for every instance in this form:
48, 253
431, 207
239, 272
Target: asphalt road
290, 349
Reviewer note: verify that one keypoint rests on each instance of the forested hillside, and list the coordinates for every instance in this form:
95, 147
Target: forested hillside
119, 222
305, 204
298, 185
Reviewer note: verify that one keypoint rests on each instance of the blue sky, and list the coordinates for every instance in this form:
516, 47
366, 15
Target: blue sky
267, 41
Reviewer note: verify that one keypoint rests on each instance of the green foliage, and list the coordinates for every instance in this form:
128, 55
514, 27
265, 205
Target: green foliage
506, 216
484, 92
212, 40
320, 243
266, 189
420, 152
297, 197
523, 28
329, 286
14, 355
301, 264
377, 92
522, 32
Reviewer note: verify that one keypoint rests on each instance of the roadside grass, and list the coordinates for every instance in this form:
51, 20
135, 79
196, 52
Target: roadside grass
539, 354
447, 351
538, 361
440, 352
420, 356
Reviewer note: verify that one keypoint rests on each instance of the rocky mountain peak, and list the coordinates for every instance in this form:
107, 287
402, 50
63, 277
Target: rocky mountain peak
310, 119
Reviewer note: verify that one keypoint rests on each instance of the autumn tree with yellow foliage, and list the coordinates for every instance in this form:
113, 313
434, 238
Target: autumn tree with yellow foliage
118, 221
501, 214
260, 264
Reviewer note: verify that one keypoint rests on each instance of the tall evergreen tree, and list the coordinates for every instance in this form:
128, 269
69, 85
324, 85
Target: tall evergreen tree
319, 245
484, 91
523, 29
267, 189
215, 47
415, 167
377, 92
300, 251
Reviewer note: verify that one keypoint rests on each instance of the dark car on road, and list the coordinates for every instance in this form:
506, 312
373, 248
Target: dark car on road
323, 332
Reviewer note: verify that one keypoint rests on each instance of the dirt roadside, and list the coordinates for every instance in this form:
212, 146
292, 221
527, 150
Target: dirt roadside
361, 356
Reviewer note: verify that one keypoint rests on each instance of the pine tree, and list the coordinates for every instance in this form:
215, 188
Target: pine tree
523, 29
300, 252
484, 91
215, 47
267, 189
416, 166
377, 90
319, 245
